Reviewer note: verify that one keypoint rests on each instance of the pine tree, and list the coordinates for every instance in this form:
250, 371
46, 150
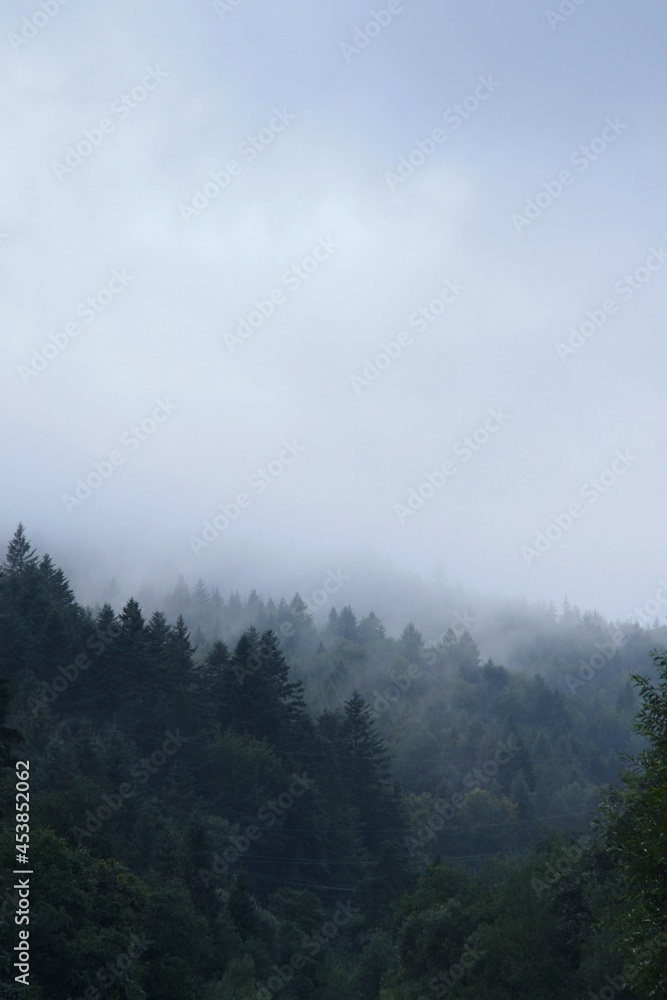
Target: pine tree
201, 605
287, 716
236, 702
217, 601
20, 554
179, 652
332, 623
234, 610
366, 762
255, 608
371, 628
217, 613
211, 681
98, 682
463, 653
366, 749
55, 582
200, 596
347, 624
411, 643
158, 634
132, 684
300, 613
179, 680
258, 697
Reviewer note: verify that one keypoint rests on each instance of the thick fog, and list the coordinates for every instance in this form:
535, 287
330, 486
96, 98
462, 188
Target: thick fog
291, 289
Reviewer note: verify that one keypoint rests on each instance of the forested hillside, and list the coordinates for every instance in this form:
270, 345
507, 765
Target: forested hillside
231, 802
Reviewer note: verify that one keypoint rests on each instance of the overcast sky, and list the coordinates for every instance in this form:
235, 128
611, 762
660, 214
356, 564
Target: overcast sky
374, 166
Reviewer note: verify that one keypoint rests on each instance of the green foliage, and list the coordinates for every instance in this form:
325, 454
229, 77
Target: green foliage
637, 835
204, 809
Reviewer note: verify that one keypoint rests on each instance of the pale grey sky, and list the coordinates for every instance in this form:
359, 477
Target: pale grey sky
375, 165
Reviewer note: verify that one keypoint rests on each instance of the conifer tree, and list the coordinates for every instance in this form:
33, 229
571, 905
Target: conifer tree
347, 624
332, 622
20, 554
366, 764
371, 628
212, 682
258, 696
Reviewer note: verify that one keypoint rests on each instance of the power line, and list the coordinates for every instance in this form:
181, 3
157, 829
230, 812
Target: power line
574, 758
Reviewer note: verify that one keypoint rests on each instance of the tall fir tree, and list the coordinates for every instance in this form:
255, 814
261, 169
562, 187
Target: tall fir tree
366, 763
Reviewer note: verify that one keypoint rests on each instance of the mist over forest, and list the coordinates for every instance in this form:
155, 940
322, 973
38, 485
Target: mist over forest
333, 599
240, 798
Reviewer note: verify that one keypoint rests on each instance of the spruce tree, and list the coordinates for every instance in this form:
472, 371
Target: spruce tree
366, 763
257, 696
20, 554
347, 624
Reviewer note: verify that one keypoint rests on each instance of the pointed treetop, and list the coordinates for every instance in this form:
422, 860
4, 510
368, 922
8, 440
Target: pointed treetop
20, 553
412, 641
299, 610
218, 655
217, 600
158, 631
200, 594
131, 617
347, 624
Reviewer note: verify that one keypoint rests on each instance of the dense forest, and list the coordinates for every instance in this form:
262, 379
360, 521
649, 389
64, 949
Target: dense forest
230, 801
